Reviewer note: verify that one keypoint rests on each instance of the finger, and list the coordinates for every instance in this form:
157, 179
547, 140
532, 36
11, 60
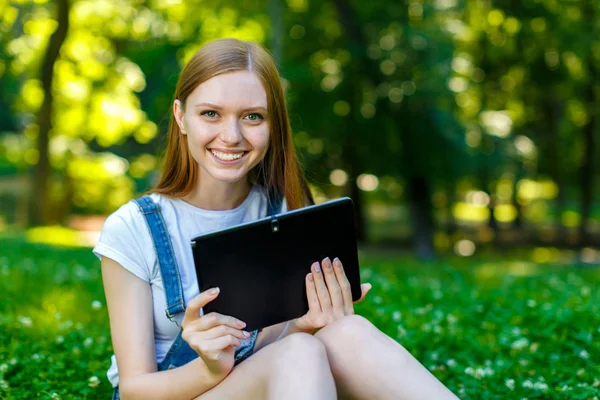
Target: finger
192, 311
335, 291
344, 285
224, 330
364, 288
311, 294
212, 348
214, 319
322, 291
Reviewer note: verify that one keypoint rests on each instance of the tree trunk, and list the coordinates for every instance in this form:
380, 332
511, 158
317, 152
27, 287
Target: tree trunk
39, 202
422, 219
552, 110
587, 165
360, 219
277, 30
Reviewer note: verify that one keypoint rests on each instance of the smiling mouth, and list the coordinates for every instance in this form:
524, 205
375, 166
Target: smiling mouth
227, 156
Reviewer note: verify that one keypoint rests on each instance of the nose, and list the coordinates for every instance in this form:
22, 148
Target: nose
231, 133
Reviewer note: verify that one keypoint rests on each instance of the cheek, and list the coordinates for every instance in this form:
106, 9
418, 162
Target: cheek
259, 138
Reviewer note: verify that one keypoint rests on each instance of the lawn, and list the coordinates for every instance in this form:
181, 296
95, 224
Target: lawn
489, 328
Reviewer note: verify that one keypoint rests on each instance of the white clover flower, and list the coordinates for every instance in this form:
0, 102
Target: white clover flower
434, 356
541, 386
25, 321
401, 331
469, 371
451, 319
531, 303
565, 388
96, 305
520, 343
55, 396
36, 357
60, 339
534, 346
396, 316
93, 382
510, 383
584, 354
88, 342
451, 363
585, 291
3, 368
3, 384
516, 331
437, 329
527, 384
13, 361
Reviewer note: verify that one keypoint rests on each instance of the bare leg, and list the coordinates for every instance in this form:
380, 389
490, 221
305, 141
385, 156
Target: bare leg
367, 364
295, 367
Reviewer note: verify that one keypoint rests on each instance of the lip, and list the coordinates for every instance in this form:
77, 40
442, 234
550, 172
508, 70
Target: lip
228, 151
228, 162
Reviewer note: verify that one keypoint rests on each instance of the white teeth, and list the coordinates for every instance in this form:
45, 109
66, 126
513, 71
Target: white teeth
227, 156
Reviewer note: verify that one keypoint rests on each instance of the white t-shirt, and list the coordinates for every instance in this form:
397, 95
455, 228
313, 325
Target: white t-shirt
126, 239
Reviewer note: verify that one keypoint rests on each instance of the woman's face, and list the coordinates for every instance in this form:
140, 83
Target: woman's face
226, 122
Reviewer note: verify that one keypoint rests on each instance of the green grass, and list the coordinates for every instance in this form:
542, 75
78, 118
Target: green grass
488, 328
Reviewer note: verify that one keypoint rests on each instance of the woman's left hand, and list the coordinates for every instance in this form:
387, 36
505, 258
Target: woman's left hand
329, 295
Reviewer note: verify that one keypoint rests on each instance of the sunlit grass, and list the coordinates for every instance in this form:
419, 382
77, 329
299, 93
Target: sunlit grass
488, 326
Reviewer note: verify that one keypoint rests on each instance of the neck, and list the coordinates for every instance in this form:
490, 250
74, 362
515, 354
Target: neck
215, 195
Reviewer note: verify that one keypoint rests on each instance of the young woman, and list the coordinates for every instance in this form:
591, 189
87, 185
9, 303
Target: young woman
230, 160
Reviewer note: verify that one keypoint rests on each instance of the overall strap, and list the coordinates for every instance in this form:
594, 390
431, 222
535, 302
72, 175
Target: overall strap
165, 255
274, 204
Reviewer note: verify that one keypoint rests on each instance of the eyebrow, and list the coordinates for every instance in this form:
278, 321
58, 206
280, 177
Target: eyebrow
263, 108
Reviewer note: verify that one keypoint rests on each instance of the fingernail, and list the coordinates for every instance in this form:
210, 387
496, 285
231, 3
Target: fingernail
316, 267
337, 262
247, 334
310, 277
241, 324
327, 262
214, 291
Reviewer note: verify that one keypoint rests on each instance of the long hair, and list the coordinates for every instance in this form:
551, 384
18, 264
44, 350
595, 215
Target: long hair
279, 172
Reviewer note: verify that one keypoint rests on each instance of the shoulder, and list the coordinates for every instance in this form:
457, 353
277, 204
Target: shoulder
128, 216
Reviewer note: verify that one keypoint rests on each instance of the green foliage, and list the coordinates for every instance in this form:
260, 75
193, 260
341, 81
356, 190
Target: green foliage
490, 329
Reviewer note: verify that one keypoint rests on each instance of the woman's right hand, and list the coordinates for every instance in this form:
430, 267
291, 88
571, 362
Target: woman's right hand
213, 336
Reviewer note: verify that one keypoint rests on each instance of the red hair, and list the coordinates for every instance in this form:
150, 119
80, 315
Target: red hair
279, 172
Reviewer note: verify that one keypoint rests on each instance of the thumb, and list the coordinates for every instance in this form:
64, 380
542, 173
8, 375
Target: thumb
193, 307
364, 288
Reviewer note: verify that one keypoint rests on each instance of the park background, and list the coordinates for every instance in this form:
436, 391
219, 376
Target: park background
465, 131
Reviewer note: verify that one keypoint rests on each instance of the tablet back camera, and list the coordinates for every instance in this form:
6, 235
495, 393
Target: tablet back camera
274, 225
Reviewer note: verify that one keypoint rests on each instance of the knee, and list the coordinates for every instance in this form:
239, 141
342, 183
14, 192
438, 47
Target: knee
346, 331
301, 348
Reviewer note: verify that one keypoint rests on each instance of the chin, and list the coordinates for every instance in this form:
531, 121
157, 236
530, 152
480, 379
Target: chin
228, 178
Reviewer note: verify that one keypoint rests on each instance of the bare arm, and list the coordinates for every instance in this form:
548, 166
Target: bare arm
129, 301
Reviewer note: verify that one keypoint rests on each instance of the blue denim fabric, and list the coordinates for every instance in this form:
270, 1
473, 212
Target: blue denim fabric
180, 353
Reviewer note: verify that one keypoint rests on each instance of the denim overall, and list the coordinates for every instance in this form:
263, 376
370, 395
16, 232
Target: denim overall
180, 353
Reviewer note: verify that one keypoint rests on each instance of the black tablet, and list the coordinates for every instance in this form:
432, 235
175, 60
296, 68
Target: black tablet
261, 266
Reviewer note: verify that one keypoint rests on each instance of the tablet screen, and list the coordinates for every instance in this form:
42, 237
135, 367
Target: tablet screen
261, 266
